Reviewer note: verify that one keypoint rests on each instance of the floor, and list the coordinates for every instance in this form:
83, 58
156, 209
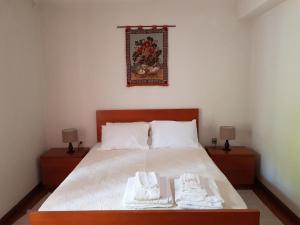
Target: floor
253, 202
39, 194
251, 199
24, 219
277, 207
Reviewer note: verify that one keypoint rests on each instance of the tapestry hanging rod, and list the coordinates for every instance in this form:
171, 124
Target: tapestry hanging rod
138, 26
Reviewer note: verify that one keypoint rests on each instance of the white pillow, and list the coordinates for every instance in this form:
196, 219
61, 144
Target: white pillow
125, 136
173, 134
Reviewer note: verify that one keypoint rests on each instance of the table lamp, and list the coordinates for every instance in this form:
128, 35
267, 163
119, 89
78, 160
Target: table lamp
227, 133
69, 136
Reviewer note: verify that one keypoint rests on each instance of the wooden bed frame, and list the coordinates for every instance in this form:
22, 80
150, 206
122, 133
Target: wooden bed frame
146, 115
146, 217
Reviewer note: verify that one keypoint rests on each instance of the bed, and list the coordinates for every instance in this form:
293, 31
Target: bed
92, 193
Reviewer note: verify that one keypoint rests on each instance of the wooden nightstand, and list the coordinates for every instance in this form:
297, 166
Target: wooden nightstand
238, 165
56, 164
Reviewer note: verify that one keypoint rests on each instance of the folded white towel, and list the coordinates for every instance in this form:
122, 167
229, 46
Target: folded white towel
183, 205
165, 201
191, 183
213, 194
147, 179
200, 196
212, 199
191, 188
146, 186
190, 178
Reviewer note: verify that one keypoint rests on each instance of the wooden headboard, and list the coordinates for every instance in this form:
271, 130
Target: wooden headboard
146, 115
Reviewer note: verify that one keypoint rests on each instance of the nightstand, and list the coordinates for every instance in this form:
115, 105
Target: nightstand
238, 165
56, 164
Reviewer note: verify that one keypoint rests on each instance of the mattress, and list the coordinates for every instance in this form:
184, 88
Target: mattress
99, 180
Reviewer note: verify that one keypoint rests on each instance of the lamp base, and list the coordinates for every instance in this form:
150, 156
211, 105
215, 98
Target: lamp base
227, 146
70, 149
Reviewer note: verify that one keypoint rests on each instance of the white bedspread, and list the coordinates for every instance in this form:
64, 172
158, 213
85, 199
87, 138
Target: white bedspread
99, 181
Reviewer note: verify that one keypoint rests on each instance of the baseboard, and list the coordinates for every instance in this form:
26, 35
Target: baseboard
4, 220
276, 201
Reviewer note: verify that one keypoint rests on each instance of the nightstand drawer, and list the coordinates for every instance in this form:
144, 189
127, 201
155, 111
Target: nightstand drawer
54, 171
56, 164
234, 162
238, 165
238, 177
60, 162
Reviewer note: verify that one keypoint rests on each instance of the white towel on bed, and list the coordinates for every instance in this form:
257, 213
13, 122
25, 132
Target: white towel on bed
184, 205
212, 200
146, 186
191, 183
165, 201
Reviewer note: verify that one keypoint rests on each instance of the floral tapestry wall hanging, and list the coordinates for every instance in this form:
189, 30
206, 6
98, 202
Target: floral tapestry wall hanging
147, 56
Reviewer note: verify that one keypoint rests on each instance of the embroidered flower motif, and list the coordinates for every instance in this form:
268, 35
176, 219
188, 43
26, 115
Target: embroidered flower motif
146, 53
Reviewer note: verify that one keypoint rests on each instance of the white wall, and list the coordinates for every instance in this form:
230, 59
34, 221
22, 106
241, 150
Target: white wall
252, 8
275, 105
21, 100
85, 63
208, 66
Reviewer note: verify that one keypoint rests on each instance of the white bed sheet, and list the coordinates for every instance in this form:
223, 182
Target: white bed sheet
99, 180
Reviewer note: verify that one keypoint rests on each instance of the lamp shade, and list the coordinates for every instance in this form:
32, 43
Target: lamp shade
70, 135
227, 133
